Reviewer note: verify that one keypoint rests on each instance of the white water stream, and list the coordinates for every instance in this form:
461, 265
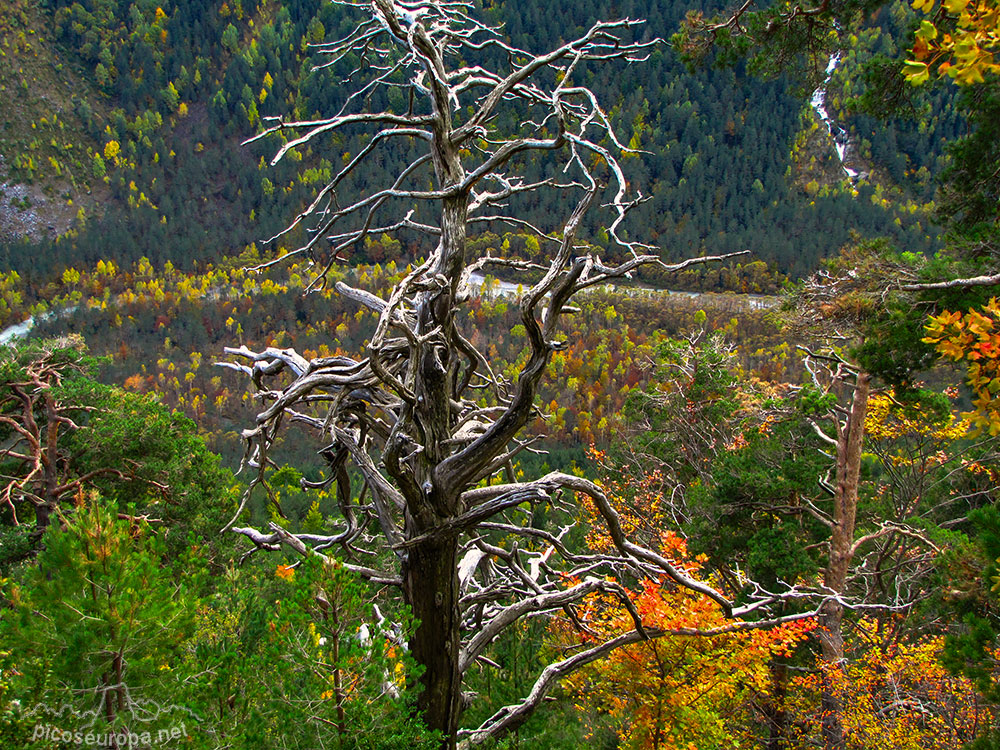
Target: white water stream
507, 289
22, 329
839, 135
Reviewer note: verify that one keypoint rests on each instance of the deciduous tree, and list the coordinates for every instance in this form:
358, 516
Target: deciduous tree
975, 339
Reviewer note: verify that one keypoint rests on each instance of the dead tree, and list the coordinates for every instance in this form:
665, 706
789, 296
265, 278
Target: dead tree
405, 413
38, 467
32, 420
840, 305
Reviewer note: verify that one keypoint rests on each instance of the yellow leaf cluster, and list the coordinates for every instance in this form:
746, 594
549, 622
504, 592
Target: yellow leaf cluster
888, 420
965, 48
975, 339
898, 696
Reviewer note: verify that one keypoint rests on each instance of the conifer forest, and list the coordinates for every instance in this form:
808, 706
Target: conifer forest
452, 374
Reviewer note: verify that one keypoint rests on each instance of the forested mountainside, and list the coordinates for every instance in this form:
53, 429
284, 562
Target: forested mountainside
516, 462
124, 122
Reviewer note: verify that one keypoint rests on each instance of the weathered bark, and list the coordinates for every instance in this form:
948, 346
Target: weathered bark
850, 442
333, 613
430, 573
43, 515
775, 714
430, 588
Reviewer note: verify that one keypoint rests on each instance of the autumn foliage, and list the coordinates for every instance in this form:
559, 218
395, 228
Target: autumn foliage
896, 695
680, 691
975, 339
961, 41
697, 682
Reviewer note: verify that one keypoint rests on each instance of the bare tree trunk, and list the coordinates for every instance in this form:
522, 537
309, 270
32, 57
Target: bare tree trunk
430, 587
338, 677
110, 714
50, 462
43, 512
774, 709
850, 442
430, 573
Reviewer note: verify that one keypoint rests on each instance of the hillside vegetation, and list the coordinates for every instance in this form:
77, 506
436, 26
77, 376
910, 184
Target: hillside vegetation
478, 485
130, 110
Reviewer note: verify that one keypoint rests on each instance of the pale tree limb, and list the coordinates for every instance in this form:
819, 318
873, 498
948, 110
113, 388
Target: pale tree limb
967, 283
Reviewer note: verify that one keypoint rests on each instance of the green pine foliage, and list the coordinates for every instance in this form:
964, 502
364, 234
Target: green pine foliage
111, 633
299, 660
97, 626
184, 84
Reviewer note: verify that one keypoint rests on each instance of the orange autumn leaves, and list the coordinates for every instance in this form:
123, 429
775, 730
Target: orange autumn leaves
691, 692
676, 692
975, 338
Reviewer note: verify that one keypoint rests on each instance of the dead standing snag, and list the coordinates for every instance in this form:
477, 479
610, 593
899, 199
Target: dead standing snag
406, 413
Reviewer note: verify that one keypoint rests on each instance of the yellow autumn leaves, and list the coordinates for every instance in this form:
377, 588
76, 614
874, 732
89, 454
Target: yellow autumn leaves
975, 338
961, 41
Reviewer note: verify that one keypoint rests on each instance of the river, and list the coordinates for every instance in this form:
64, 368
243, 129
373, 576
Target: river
497, 287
